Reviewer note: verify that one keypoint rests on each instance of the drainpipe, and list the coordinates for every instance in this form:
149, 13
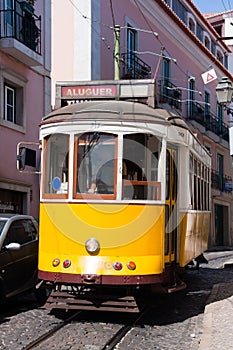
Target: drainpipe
117, 52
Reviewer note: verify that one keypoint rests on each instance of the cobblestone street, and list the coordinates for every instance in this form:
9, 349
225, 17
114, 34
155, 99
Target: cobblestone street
173, 321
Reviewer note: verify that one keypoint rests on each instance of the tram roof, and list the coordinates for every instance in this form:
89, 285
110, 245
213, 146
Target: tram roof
111, 110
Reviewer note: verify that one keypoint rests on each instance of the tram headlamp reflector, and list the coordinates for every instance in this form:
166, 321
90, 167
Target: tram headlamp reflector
56, 262
66, 263
92, 246
131, 265
117, 265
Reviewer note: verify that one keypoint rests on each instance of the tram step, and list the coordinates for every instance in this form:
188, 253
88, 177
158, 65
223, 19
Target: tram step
63, 300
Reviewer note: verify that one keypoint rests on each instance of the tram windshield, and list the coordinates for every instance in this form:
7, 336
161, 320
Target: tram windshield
96, 164
141, 154
56, 164
105, 166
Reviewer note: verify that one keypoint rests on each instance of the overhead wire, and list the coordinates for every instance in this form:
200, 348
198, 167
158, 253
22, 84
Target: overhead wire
108, 46
90, 20
161, 43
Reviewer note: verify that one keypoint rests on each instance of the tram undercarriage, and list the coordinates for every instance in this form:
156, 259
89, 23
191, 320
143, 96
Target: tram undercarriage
92, 294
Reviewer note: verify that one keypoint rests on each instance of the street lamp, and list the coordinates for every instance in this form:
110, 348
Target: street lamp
224, 91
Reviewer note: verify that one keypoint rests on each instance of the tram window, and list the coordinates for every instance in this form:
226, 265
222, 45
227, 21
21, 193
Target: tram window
96, 164
195, 192
140, 167
56, 164
166, 243
168, 172
191, 180
199, 184
199, 193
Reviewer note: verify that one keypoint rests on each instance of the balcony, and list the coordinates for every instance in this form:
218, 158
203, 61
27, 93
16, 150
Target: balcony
170, 93
208, 120
20, 33
133, 67
222, 183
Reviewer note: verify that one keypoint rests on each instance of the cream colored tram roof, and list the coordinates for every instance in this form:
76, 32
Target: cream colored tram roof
122, 111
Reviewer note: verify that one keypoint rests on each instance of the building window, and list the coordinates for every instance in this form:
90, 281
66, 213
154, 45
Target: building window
220, 112
220, 171
199, 32
166, 77
131, 47
218, 29
168, 2
191, 96
191, 23
213, 48
207, 103
9, 12
180, 10
219, 56
9, 114
207, 42
12, 103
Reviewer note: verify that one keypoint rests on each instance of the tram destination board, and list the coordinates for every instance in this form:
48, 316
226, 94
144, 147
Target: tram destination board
143, 90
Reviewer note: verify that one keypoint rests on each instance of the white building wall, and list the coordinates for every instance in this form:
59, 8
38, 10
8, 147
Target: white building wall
76, 36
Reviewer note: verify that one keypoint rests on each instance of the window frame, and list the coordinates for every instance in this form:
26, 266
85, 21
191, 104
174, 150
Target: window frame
94, 196
7, 104
46, 195
18, 83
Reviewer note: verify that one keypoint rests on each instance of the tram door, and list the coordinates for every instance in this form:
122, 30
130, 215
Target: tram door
170, 205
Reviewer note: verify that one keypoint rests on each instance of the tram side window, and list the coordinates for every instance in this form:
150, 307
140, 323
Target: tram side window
199, 184
56, 164
96, 164
140, 167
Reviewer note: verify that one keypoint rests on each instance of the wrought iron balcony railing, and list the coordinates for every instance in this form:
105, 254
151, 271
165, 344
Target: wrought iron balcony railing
133, 67
208, 120
222, 183
21, 24
170, 93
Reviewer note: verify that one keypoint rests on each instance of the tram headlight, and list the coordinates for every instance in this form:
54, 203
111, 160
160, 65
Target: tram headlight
92, 246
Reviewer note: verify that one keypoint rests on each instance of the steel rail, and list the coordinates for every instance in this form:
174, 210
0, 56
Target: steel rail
111, 343
50, 333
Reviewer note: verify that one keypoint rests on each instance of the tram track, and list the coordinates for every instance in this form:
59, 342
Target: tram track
113, 341
110, 344
50, 333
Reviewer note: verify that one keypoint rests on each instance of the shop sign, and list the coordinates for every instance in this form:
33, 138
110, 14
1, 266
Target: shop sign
88, 92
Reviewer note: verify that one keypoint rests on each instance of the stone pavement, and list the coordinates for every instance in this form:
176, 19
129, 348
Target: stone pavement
218, 319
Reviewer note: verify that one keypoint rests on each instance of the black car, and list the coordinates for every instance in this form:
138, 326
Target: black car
18, 254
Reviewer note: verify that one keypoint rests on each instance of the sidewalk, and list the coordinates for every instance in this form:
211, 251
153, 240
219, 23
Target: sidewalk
218, 319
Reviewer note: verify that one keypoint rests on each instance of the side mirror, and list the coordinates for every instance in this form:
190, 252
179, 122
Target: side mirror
25, 156
12, 246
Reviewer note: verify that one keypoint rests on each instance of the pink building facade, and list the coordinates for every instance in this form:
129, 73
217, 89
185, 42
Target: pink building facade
170, 41
25, 96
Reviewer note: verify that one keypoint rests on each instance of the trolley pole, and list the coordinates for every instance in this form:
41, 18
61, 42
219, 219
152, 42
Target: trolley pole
116, 52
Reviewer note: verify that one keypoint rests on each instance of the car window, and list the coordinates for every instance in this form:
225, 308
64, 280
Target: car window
30, 230
2, 224
21, 231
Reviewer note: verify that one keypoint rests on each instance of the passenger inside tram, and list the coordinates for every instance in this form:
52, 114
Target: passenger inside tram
103, 180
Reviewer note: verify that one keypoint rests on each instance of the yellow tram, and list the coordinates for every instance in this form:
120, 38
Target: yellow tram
125, 195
